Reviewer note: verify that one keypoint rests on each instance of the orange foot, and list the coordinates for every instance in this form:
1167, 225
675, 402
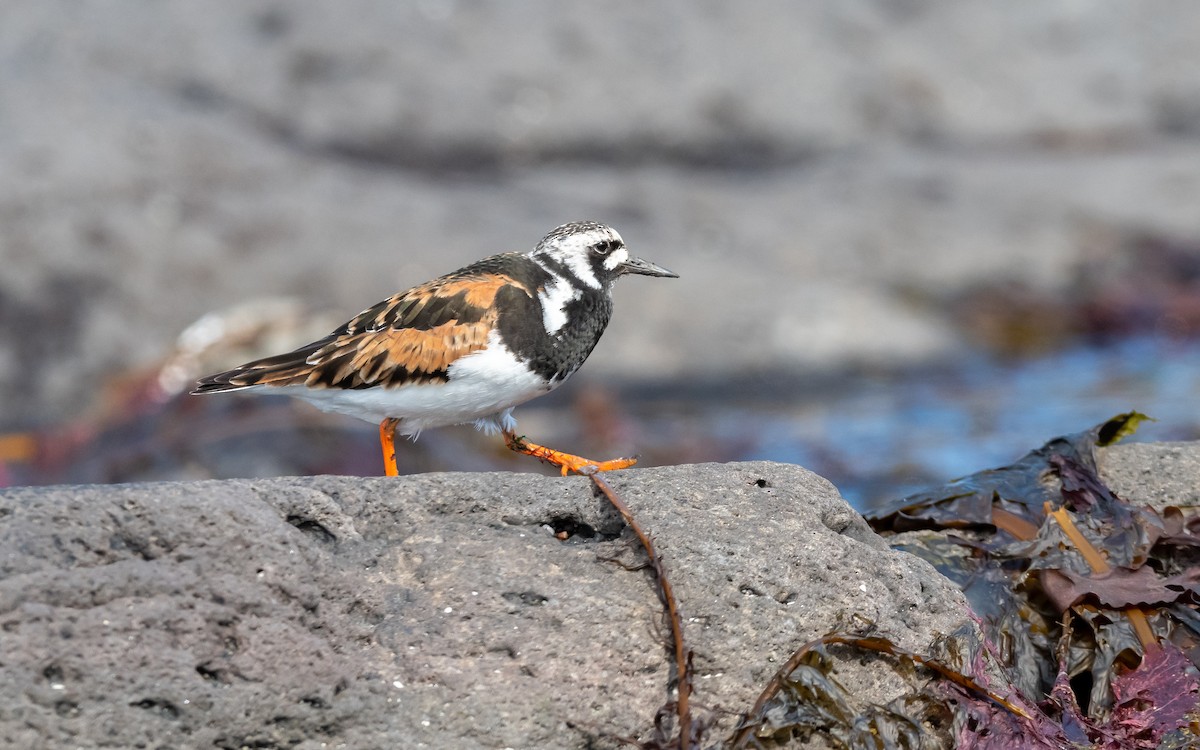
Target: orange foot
387, 440
565, 461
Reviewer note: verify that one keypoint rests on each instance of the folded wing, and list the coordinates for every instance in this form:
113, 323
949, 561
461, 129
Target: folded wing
411, 337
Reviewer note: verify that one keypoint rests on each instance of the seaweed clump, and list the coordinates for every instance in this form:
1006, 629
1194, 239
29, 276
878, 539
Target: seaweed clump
1087, 603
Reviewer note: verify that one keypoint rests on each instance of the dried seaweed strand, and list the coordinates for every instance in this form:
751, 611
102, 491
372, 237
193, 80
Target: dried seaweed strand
1018, 527
881, 645
1099, 565
1094, 558
667, 596
885, 646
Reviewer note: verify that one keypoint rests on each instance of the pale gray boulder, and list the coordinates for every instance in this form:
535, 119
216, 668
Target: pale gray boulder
436, 610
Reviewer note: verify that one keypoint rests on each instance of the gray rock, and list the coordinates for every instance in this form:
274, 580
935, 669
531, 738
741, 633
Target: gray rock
831, 169
1157, 474
436, 610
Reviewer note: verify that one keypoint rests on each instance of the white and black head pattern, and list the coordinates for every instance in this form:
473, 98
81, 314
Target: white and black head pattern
586, 252
583, 259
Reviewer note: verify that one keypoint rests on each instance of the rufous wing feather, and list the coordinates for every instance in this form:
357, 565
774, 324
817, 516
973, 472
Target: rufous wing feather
411, 337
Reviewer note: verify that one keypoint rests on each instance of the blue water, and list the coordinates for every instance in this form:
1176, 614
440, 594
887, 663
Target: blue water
887, 436
876, 436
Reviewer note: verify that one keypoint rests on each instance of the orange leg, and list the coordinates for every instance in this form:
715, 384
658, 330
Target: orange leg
565, 461
387, 439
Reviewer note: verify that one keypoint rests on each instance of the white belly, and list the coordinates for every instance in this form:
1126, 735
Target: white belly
483, 386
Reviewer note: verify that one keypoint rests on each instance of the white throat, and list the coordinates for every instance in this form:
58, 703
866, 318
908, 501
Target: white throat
554, 298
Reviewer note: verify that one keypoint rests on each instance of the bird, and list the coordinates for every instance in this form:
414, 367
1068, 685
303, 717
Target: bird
466, 347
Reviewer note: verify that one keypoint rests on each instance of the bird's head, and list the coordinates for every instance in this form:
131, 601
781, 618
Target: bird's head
593, 254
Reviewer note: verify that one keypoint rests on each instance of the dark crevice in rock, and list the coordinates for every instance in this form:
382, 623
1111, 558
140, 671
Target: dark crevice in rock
210, 674
161, 706
525, 598
313, 528
566, 527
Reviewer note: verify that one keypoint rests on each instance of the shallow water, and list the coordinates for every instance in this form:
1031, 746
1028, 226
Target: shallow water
884, 436
876, 436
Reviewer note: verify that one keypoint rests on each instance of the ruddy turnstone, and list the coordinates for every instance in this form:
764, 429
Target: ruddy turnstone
466, 347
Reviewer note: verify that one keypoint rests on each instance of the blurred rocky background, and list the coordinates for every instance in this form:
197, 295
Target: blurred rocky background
914, 237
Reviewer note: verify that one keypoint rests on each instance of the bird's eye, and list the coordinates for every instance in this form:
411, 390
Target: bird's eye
603, 248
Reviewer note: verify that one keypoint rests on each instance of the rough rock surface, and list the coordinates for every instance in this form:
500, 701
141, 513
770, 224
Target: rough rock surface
437, 610
1157, 474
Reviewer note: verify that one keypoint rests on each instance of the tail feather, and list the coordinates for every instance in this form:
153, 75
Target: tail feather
214, 384
291, 368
